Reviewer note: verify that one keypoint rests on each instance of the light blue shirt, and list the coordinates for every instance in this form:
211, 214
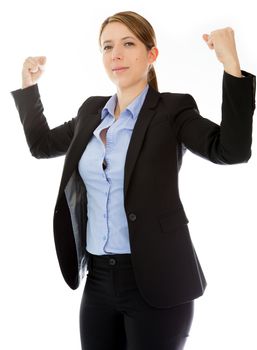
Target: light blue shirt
107, 226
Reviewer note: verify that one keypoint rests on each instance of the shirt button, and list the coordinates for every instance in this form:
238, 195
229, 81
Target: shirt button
132, 217
104, 238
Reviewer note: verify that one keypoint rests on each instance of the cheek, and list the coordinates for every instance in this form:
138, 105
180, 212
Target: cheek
140, 63
106, 63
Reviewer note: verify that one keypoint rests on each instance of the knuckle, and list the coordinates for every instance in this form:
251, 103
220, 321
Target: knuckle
229, 30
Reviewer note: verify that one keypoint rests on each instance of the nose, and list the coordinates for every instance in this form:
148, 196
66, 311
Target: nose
116, 52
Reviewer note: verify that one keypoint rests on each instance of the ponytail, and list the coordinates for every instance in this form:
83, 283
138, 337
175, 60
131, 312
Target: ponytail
152, 79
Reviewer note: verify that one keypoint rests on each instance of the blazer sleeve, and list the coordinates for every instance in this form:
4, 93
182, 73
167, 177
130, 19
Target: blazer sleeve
42, 141
229, 142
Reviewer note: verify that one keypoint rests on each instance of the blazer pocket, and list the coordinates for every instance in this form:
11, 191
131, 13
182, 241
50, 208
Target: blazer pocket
172, 220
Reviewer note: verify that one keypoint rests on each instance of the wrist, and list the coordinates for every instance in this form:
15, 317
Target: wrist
233, 68
27, 84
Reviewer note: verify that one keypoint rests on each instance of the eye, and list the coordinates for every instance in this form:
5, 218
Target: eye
129, 43
106, 47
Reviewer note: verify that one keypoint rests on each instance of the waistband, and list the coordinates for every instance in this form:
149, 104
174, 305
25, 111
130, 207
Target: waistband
109, 260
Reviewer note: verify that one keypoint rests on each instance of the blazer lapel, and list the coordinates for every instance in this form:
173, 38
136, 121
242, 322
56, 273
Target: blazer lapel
90, 123
78, 145
145, 116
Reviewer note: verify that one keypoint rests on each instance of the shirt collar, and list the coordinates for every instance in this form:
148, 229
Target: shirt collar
134, 107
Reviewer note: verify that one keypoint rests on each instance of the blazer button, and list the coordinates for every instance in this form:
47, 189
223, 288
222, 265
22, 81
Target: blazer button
112, 261
132, 217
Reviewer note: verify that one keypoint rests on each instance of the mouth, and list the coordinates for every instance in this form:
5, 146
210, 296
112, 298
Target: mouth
119, 69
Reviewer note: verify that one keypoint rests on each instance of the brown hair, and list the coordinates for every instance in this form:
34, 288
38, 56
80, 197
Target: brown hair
142, 30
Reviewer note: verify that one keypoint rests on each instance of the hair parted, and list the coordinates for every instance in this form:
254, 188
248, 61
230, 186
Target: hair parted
142, 29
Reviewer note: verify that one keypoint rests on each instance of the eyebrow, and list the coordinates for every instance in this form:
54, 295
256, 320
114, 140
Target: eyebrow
126, 37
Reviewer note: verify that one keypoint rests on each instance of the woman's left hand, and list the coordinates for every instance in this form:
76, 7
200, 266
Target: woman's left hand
223, 42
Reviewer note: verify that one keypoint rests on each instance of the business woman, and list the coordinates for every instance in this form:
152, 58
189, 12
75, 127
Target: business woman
118, 214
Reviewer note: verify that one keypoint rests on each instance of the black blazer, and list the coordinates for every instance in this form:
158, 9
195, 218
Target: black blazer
165, 263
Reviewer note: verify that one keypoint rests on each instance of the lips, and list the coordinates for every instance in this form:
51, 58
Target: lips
119, 69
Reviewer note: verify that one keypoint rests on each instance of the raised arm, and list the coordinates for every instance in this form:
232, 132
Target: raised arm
42, 141
229, 142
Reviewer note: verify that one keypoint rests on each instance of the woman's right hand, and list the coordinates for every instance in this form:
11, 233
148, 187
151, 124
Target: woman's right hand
32, 70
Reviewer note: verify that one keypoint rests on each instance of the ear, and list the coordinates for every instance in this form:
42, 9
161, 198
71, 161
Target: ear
153, 54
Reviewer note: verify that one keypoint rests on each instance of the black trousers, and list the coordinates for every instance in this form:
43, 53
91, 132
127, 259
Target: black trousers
114, 315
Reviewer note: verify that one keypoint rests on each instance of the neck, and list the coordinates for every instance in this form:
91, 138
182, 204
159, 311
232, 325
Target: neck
126, 95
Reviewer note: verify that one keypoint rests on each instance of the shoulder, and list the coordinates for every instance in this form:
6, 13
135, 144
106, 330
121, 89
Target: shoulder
176, 97
178, 101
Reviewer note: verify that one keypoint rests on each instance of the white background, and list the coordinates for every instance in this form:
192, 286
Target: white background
38, 310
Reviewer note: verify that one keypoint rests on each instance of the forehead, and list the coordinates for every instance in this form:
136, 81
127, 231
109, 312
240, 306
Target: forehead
116, 31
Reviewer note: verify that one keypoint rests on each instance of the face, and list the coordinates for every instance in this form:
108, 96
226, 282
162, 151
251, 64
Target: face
125, 58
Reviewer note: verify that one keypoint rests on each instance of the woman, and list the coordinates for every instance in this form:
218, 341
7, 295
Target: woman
118, 210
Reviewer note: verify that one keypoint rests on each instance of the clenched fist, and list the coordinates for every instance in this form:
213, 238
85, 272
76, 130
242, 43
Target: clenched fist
223, 42
32, 70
